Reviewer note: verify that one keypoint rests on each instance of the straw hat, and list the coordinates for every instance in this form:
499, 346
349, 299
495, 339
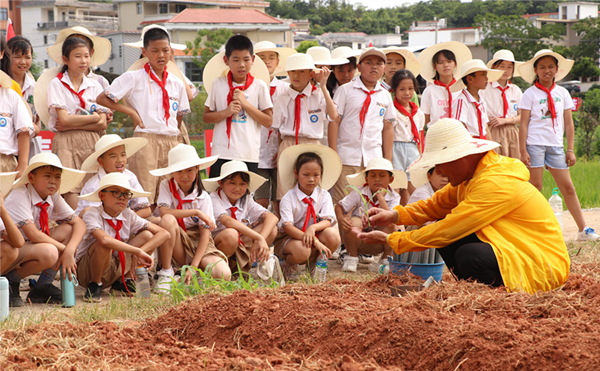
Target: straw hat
447, 141
344, 52
171, 67
5, 80
300, 62
231, 167
102, 46
474, 65
322, 57
113, 179
70, 177
6, 182
358, 179
332, 164
505, 55
283, 53
460, 50
564, 66
419, 177
216, 67
140, 44
411, 62
40, 99
109, 141
184, 156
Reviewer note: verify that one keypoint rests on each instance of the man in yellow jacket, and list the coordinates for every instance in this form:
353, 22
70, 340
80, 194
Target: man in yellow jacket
493, 225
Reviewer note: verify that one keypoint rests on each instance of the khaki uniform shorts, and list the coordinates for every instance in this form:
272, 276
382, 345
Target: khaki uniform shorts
183, 136
8, 163
25, 250
508, 137
110, 275
339, 189
190, 241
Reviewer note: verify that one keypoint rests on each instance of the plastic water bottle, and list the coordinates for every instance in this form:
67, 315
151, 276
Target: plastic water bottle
3, 298
321, 269
143, 283
557, 207
67, 288
382, 268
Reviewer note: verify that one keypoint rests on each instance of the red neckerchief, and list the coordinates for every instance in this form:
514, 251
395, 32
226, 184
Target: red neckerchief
479, 115
310, 212
232, 211
180, 202
504, 100
249, 81
69, 88
161, 84
365, 109
44, 220
117, 228
272, 91
413, 125
298, 110
550, 102
439, 83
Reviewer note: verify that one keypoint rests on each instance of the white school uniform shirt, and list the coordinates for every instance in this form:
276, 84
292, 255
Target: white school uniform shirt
269, 144
293, 210
314, 111
434, 102
202, 203
353, 199
96, 218
99, 79
14, 119
145, 96
421, 193
244, 144
541, 131
60, 97
27, 90
349, 100
93, 184
403, 126
21, 206
248, 211
465, 111
494, 103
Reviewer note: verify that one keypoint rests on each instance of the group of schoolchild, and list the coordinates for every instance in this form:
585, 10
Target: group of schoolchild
338, 133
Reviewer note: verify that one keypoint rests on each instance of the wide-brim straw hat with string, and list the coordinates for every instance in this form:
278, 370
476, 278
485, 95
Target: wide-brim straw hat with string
140, 43
332, 165
113, 180
344, 52
527, 70
6, 182
70, 178
411, 62
322, 57
40, 98
359, 179
102, 46
505, 55
232, 167
216, 67
300, 62
282, 52
184, 156
472, 66
447, 141
5, 80
110, 141
419, 177
461, 53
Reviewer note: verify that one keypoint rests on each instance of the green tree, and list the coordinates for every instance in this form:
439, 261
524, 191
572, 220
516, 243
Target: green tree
587, 124
304, 45
589, 31
585, 67
206, 45
36, 68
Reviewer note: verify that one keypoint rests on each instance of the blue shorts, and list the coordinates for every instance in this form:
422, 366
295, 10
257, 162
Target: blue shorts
405, 153
552, 157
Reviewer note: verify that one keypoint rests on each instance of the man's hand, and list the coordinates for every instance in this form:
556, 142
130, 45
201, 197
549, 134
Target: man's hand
371, 238
380, 217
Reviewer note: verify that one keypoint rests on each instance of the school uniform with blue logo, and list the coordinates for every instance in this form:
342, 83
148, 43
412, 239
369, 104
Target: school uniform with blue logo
14, 119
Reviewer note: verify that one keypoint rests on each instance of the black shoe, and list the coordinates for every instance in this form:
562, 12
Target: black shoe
14, 296
45, 294
119, 289
92, 293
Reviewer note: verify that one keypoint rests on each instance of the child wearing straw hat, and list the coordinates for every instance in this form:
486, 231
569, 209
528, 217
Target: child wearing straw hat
156, 101
502, 100
244, 228
238, 103
112, 226
470, 108
307, 215
440, 64
35, 201
379, 179
322, 57
341, 73
398, 59
187, 214
545, 118
110, 156
427, 182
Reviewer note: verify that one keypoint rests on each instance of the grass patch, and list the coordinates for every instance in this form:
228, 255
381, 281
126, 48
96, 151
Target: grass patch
585, 179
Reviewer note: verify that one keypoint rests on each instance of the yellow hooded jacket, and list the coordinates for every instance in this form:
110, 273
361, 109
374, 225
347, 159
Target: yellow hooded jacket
503, 209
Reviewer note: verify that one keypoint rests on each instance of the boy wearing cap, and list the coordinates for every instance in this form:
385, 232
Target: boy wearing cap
156, 101
35, 200
366, 111
238, 104
112, 226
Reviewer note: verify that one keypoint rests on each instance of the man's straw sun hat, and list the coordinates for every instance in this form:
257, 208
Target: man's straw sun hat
472, 66
527, 70
216, 67
102, 46
113, 179
505, 55
110, 141
70, 177
358, 179
332, 165
184, 156
460, 50
231, 167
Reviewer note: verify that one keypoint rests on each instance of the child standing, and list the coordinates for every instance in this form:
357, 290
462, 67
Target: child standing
440, 64
341, 74
396, 60
545, 117
307, 214
112, 226
238, 104
365, 130
244, 228
470, 109
502, 99
187, 214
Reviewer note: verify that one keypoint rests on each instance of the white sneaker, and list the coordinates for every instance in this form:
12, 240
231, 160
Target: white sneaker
350, 263
336, 253
365, 259
164, 282
588, 234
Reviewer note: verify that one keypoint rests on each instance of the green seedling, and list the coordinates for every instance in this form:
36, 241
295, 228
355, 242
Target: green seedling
366, 202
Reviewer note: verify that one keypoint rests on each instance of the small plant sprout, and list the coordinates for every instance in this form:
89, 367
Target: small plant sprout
366, 201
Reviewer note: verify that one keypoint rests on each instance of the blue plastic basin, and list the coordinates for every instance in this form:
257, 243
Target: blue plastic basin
422, 270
